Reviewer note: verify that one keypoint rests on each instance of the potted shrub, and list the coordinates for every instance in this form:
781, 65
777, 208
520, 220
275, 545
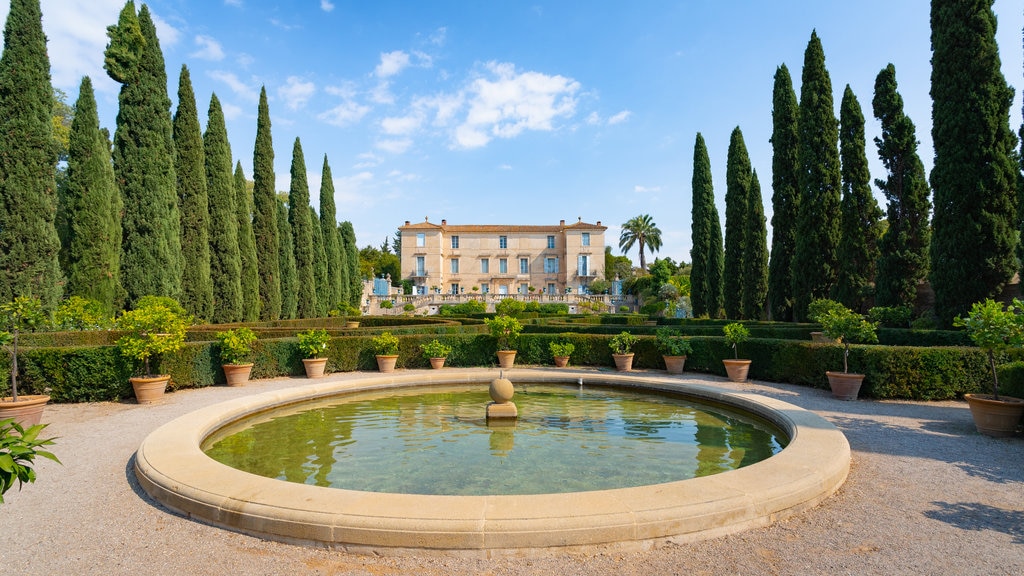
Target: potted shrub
234, 351
385, 346
313, 346
736, 368
847, 327
436, 351
505, 329
674, 349
995, 330
23, 313
155, 327
19, 446
561, 351
622, 350
816, 310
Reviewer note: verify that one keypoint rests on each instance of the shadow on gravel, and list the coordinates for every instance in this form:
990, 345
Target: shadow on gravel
976, 517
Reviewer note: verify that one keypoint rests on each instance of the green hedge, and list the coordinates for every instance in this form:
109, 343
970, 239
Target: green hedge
1011, 379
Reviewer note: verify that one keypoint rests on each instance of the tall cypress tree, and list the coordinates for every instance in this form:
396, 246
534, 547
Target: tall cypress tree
903, 259
706, 230
355, 282
193, 203
755, 254
91, 209
302, 234
29, 245
264, 223
225, 257
737, 201
250, 278
337, 289
289, 291
859, 213
974, 176
785, 195
323, 288
817, 226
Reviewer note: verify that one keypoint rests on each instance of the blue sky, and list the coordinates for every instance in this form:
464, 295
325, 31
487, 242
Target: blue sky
516, 112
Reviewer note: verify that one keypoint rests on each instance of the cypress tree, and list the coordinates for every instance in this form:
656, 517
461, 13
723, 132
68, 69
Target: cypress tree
706, 230
859, 213
737, 202
250, 278
289, 292
225, 257
302, 235
355, 283
337, 288
91, 208
151, 262
974, 176
323, 287
755, 255
903, 259
29, 245
817, 225
193, 203
785, 195
264, 223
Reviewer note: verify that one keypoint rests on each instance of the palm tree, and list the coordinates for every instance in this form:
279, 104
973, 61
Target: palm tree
640, 230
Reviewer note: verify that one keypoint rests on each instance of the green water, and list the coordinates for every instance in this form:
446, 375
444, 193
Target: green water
437, 441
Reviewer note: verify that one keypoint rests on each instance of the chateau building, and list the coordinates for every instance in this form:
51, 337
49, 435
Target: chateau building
502, 259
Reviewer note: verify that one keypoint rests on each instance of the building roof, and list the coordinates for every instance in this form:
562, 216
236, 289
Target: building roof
497, 228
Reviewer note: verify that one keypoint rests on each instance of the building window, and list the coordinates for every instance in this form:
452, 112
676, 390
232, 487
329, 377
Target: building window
485, 288
421, 269
586, 239
455, 242
524, 265
485, 266
551, 265
455, 265
551, 242
551, 288
524, 289
503, 242
455, 288
503, 266
421, 240
583, 265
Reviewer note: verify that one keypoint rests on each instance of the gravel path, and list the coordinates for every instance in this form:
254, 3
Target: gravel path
926, 495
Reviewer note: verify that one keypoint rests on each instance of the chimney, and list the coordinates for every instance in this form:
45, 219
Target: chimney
406, 222
561, 222
443, 222
598, 222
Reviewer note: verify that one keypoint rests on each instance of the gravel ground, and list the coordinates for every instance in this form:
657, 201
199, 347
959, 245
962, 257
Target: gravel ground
926, 495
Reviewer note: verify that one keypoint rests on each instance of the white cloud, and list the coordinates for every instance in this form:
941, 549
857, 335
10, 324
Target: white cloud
326, 5
397, 126
646, 189
381, 93
505, 167
209, 49
593, 119
231, 111
296, 92
438, 37
237, 86
395, 146
619, 118
167, 35
367, 160
347, 113
244, 60
391, 63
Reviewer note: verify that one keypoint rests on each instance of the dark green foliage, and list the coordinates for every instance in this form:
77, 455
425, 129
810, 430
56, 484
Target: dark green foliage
755, 254
737, 202
225, 258
289, 292
302, 236
1011, 379
355, 281
151, 261
91, 208
323, 288
974, 177
29, 246
817, 224
264, 223
193, 203
337, 285
706, 231
785, 195
892, 316
859, 213
250, 279
903, 260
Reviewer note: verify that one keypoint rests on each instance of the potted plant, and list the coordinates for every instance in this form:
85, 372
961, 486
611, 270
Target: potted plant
436, 351
736, 368
674, 349
385, 346
505, 329
816, 310
155, 327
622, 350
19, 446
234, 351
313, 346
23, 313
561, 351
847, 327
995, 330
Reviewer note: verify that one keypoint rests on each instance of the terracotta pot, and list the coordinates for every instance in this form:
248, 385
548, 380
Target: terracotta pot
737, 369
27, 411
674, 364
352, 324
845, 385
506, 358
386, 362
623, 362
237, 374
315, 367
996, 418
437, 363
561, 361
150, 390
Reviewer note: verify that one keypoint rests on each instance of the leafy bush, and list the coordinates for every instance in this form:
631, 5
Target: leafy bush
1011, 378
18, 449
848, 327
818, 308
735, 333
994, 329
505, 329
313, 343
891, 316
155, 327
671, 342
561, 349
435, 349
409, 307
509, 307
235, 344
385, 344
554, 308
77, 313
463, 309
622, 343
387, 304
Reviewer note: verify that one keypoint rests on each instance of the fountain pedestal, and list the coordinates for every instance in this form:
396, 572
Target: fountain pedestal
501, 392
